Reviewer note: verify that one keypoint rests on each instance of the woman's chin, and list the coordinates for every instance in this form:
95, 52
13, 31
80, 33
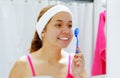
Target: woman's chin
64, 46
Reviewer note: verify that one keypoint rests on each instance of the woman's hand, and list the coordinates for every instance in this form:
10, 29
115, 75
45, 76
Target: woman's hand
78, 65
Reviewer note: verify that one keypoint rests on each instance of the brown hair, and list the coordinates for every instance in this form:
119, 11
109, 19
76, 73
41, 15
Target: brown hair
36, 43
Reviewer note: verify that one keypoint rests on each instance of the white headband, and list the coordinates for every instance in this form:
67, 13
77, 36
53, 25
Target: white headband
48, 15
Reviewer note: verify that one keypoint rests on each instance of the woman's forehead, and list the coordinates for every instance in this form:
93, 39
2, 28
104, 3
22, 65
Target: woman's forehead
62, 16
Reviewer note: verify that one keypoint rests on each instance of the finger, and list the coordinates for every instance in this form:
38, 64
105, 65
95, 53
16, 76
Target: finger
80, 64
78, 60
79, 55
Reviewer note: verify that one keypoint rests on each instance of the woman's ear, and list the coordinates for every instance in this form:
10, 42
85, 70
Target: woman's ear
42, 34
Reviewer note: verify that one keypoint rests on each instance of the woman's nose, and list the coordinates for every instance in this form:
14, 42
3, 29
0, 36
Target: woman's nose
66, 30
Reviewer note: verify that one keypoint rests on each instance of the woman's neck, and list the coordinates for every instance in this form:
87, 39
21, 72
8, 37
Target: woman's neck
51, 54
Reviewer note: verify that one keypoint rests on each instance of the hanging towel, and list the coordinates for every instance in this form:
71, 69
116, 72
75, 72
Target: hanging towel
99, 58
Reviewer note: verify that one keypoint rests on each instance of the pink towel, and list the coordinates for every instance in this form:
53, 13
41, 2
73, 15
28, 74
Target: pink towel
99, 59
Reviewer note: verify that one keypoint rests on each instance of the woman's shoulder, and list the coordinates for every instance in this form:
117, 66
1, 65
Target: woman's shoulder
19, 67
21, 62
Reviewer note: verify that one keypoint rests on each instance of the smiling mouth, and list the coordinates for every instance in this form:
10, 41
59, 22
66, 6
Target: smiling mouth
64, 38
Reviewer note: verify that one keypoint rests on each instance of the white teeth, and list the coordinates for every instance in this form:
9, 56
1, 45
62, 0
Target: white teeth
63, 38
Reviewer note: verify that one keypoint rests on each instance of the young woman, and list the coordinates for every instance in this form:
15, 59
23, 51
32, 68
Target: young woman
46, 58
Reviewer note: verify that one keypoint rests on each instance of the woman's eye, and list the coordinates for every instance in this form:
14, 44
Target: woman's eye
58, 25
70, 26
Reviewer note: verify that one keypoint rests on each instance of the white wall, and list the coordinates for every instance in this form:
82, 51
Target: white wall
113, 39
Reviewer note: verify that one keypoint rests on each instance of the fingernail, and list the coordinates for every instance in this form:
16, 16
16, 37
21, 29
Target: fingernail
75, 56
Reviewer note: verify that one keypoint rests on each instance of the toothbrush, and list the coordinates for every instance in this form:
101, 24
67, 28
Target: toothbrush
76, 32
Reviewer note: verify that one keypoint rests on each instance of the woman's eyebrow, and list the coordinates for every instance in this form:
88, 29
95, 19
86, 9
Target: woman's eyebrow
62, 20
59, 20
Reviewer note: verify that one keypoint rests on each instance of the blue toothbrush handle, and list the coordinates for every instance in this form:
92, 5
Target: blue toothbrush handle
76, 51
77, 45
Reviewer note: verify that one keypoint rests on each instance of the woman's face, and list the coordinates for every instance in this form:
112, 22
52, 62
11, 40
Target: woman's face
59, 30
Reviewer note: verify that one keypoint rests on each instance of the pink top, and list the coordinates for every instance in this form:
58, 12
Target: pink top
33, 71
99, 60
